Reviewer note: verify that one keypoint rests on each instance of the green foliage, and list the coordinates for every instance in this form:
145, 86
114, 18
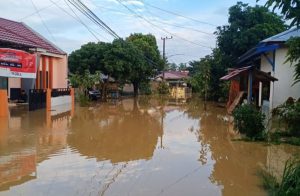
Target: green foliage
83, 82
293, 56
145, 88
88, 57
289, 8
200, 81
249, 121
290, 182
135, 59
247, 27
290, 114
163, 88
205, 76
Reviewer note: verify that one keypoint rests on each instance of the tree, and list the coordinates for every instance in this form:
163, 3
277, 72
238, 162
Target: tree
83, 82
247, 26
289, 8
90, 56
149, 62
172, 66
291, 11
135, 59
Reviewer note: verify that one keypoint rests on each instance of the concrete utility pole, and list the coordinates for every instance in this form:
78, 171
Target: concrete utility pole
164, 53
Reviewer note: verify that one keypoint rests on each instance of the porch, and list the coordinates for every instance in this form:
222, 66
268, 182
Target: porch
248, 84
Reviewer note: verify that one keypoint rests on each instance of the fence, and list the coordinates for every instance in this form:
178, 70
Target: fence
37, 99
60, 92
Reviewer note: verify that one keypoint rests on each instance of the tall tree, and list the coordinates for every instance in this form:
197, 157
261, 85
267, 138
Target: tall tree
291, 11
289, 8
247, 26
150, 61
89, 57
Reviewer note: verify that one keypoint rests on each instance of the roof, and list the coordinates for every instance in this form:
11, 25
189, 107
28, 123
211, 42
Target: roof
284, 36
174, 75
21, 34
260, 75
269, 44
257, 51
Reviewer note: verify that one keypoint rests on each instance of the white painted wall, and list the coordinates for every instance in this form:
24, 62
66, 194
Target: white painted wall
62, 100
283, 88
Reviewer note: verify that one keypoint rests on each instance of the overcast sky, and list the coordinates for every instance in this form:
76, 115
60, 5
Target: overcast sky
69, 34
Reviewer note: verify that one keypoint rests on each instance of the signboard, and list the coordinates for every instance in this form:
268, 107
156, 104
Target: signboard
17, 63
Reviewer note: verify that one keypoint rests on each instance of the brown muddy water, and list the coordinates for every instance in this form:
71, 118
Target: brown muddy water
150, 147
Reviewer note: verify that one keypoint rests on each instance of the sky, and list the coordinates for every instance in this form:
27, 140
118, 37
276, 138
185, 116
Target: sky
192, 39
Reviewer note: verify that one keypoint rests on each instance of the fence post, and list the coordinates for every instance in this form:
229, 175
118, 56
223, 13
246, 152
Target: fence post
48, 99
3, 103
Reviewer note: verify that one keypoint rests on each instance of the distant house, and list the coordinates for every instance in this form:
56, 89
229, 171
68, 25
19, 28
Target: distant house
18, 43
264, 77
177, 82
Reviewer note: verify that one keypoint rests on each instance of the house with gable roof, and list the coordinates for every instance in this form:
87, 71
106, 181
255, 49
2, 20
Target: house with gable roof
264, 77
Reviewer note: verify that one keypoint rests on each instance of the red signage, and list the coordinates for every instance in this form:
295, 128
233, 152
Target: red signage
17, 63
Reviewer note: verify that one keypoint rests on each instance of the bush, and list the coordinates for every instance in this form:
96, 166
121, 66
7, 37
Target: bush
83, 100
145, 88
249, 121
290, 114
290, 182
163, 88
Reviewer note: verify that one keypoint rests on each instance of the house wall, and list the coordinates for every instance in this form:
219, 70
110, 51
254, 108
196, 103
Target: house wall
283, 88
60, 72
13, 83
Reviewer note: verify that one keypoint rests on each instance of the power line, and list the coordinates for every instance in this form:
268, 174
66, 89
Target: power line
37, 11
162, 29
93, 17
177, 14
43, 21
175, 25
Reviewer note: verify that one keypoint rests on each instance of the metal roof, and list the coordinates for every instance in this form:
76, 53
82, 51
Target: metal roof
174, 75
260, 75
21, 34
284, 36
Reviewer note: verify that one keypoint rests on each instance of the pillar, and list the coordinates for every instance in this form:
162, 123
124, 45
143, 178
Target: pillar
3, 103
44, 73
260, 95
250, 80
50, 80
48, 100
72, 93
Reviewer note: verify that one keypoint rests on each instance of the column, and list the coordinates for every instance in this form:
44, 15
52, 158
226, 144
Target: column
260, 95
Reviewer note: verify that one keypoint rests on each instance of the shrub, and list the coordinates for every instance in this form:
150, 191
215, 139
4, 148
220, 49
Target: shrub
163, 88
249, 121
145, 88
290, 114
290, 182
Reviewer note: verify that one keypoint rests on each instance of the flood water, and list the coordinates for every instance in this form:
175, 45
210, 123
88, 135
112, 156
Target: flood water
150, 147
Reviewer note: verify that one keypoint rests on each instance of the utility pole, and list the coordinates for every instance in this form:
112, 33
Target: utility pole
164, 53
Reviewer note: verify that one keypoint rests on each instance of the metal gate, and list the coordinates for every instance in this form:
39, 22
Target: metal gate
37, 99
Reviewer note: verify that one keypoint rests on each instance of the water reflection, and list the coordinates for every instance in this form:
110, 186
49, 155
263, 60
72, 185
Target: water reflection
150, 146
26, 140
119, 133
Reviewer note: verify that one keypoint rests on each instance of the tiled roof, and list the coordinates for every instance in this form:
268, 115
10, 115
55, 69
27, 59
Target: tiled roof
174, 75
19, 33
284, 36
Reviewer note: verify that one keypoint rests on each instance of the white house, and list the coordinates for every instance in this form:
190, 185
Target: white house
281, 90
264, 76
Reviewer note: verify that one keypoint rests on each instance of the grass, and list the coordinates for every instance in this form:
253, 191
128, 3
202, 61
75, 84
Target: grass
289, 185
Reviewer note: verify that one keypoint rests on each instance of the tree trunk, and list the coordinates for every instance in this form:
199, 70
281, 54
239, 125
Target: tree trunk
135, 89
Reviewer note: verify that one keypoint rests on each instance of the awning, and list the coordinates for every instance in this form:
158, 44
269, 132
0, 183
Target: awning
258, 75
257, 51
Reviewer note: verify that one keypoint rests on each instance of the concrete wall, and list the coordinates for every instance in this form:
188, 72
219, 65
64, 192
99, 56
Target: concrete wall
13, 83
60, 72
284, 73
